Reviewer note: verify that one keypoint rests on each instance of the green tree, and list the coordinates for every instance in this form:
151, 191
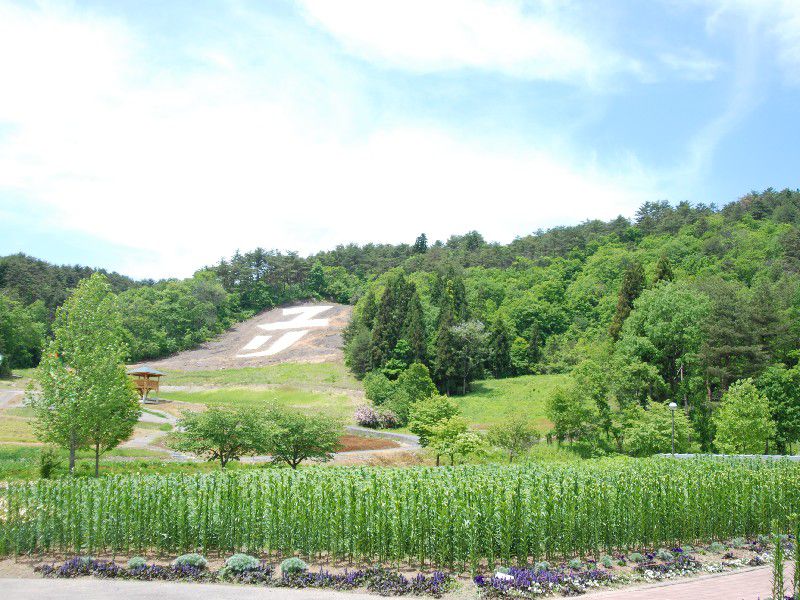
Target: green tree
415, 333
297, 437
420, 244
451, 437
515, 435
743, 420
413, 384
781, 386
663, 270
82, 379
317, 283
221, 434
445, 366
648, 431
499, 351
426, 414
632, 286
471, 341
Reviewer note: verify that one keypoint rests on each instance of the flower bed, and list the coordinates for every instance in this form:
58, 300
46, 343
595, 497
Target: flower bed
374, 579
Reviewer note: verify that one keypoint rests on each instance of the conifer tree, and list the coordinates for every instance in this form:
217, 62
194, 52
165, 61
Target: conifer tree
632, 286
445, 364
663, 270
500, 348
415, 333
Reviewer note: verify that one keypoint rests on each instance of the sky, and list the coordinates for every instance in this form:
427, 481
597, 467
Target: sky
154, 138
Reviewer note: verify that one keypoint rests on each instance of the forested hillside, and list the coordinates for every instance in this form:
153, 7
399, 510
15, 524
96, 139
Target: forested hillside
677, 303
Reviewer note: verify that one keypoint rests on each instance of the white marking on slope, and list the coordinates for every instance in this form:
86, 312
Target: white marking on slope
282, 343
257, 342
303, 320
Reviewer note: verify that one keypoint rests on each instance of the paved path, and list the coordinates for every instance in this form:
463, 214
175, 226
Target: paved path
407, 439
745, 584
88, 588
11, 398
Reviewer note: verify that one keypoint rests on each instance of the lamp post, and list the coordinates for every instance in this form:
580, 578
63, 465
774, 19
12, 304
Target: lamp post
672, 408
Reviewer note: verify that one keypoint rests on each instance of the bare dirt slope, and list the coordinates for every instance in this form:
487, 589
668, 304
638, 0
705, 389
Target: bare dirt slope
302, 332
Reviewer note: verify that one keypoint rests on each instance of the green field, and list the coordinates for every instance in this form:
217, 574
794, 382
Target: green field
335, 405
306, 375
493, 399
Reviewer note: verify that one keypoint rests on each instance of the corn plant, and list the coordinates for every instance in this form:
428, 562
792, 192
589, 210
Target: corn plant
461, 517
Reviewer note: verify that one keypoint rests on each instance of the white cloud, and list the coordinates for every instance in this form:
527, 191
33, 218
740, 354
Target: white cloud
196, 166
691, 64
501, 36
778, 22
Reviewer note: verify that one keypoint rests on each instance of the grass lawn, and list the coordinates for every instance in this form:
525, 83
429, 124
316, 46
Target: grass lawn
331, 404
305, 375
492, 399
15, 428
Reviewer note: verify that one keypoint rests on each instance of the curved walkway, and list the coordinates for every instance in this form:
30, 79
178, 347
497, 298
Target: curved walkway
744, 584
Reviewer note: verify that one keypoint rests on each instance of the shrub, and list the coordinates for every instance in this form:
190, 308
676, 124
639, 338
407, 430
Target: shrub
239, 563
48, 463
716, 548
606, 561
137, 562
293, 565
85, 561
664, 555
389, 420
739, 542
191, 560
541, 566
575, 563
635, 557
367, 416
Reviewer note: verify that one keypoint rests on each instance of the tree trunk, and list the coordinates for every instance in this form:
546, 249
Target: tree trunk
510, 457
437, 459
97, 460
72, 444
452, 459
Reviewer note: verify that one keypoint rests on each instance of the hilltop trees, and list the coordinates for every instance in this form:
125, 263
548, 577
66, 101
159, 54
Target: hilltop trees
85, 397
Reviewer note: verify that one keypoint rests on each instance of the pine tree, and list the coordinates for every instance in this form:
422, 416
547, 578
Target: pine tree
632, 286
500, 349
663, 270
421, 244
388, 320
445, 363
415, 332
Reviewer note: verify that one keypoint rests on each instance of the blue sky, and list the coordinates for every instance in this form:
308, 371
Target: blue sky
156, 137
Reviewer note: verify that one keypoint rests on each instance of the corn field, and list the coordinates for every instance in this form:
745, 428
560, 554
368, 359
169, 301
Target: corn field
460, 518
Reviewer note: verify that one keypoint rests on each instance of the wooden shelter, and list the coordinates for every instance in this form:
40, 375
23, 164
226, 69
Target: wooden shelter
146, 380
